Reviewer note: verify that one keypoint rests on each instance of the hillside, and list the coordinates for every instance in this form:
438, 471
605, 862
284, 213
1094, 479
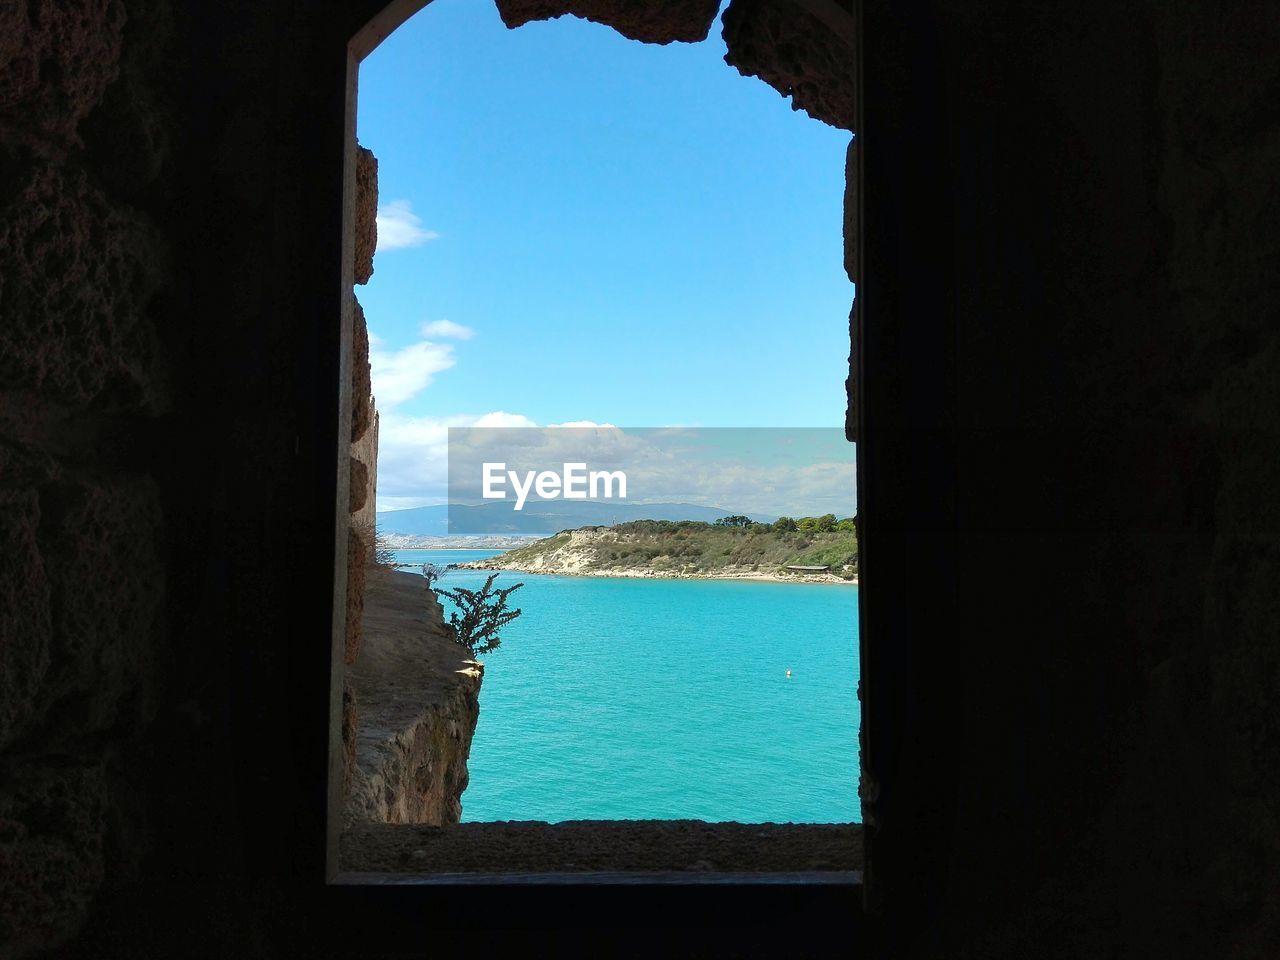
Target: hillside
687, 548
538, 516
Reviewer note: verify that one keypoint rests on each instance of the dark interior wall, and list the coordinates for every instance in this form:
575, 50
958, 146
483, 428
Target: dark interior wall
1070, 323
170, 263
1070, 525
83, 277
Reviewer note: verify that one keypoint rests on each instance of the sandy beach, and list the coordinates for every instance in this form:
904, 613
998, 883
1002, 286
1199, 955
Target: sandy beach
635, 573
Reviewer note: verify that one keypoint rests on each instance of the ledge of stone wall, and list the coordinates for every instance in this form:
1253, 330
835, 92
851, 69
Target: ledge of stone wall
417, 693
587, 846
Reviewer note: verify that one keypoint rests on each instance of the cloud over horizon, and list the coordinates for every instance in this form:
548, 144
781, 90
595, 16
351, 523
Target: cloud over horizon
399, 227
446, 328
737, 469
413, 454
402, 374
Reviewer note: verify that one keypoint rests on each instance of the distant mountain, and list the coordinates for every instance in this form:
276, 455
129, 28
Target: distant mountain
480, 541
543, 517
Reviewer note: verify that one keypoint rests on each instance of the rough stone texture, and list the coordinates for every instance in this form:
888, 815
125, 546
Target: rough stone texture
52, 823
850, 222
418, 691
1071, 375
366, 230
361, 383
77, 275
350, 725
56, 61
1066, 310
25, 619
99, 543
851, 381
359, 555
364, 431
83, 576
360, 480
129, 134
688, 21
363, 465
579, 846
791, 50
82, 584
365, 450
851, 269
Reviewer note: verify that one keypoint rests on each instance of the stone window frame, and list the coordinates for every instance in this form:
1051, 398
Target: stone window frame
821, 895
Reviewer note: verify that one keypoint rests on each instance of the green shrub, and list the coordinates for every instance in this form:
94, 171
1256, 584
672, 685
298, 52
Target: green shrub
483, 613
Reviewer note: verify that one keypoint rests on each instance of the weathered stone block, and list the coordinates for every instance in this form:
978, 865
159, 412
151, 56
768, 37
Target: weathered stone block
77, 277
129, 133
850, 225
851, 381
56, 60
366, 451
25, 619
100, 542
795, 53
361, 378
851, 270
52, 822
350, 725
683, 20
359, 552
359, 485
366, 213
419, 698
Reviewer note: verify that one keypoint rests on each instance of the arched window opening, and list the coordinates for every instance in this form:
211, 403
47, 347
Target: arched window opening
576, 233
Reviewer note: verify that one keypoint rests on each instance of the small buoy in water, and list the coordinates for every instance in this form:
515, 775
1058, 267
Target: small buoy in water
788, 673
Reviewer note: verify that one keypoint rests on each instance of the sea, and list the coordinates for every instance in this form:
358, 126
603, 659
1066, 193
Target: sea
632, 699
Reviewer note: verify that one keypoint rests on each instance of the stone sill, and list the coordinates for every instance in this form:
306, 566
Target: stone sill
849, 878
603, 851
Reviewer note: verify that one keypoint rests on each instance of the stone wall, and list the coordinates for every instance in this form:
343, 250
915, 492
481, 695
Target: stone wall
682, 20
364, 485
362, 480
418, 692
1067, 212
363, 464
1067, 435
86, 284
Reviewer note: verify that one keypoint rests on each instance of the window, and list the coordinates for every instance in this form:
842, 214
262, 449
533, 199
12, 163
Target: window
549, 849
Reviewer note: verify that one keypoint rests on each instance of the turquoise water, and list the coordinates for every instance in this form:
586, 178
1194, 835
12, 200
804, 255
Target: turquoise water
665, 699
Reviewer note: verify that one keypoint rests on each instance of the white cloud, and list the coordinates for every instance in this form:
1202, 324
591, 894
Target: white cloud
447, 328
499, 418
401, 374
400, 227
406, 503
413, 454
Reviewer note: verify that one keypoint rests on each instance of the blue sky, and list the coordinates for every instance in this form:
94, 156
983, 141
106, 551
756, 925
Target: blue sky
575, 227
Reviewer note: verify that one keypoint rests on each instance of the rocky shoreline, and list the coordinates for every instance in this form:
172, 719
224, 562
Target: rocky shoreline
640, 573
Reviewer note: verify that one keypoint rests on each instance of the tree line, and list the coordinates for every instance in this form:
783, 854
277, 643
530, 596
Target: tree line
827, 523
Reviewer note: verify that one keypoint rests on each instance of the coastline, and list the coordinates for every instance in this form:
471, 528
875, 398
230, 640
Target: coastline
393, 543
637, 574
